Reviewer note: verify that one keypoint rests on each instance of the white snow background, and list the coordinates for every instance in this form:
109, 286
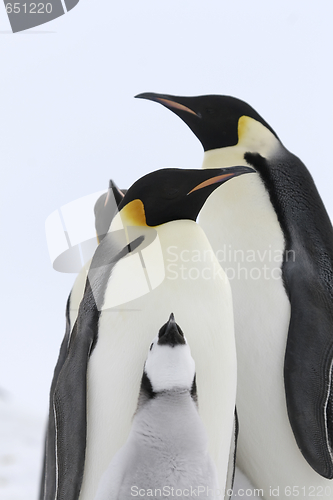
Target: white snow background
69, 122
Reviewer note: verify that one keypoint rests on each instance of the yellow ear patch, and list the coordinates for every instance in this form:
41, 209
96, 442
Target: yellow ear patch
243, 127
133, 214
255, 137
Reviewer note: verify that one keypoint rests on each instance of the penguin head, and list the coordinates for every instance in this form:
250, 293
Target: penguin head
169, 364
221, 121
172, 194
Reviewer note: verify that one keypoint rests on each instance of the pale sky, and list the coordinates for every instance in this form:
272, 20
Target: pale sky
69, 122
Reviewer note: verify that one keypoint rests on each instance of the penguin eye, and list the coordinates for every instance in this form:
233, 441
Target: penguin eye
151, 346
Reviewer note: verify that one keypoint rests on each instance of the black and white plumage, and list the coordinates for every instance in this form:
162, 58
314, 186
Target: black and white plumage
284, 322
96, 390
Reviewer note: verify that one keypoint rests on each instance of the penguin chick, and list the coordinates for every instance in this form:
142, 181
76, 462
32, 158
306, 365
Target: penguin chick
167, 448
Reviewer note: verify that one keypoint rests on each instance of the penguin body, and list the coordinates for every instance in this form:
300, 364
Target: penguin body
278, 255
186, 297
167, 446
96, 391
105, 209
281, 337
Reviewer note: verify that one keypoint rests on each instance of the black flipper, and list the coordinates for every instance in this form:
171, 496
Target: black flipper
68, 436
48, 483
308, 278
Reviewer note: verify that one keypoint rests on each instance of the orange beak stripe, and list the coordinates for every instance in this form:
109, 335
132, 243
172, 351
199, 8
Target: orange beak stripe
175, 105
213, 180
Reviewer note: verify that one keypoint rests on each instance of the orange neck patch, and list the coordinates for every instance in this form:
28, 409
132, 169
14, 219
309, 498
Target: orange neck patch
133, 214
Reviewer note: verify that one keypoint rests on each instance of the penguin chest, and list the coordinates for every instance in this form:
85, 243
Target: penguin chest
249, 243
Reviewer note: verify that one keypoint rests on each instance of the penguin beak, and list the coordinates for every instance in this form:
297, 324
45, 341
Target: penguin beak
168, 101
170, 334
117, 193
225, 175
106, 208
172, 318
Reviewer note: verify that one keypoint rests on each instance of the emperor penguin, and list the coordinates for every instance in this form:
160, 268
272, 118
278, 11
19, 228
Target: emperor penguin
155, 258
105, 209
167, 448
272, 233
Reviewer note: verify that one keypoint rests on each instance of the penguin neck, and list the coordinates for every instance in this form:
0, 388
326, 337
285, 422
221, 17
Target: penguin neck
244, 201
268, 147
279, 177
183, 231
164, 249
224, 157
185, 234
247, 219
176, 404
301, 213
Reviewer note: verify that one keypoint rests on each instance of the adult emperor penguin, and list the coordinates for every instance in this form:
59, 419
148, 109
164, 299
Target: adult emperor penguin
167, 448
154, 259
105, 209
273, 233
